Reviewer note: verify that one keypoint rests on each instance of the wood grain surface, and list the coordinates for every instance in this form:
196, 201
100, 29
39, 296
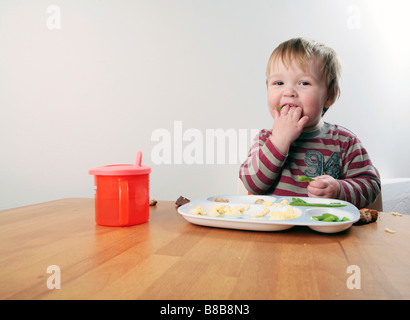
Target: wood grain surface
170, 258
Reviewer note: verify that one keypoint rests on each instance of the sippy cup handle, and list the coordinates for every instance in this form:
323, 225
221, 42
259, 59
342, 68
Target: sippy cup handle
123, 202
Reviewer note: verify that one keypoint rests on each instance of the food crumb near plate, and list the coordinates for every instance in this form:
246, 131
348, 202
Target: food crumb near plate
367, 216
153, 202
181, 201
388, 230
397, 214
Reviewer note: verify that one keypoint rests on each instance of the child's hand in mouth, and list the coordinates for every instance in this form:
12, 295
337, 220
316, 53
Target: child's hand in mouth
287, 127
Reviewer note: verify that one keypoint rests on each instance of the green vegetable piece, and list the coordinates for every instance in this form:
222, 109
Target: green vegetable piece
278, 108
296, 201
300, 202
301, 178
328, 217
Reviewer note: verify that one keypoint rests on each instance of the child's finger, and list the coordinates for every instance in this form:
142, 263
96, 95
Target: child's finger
303, 121
317, 183
285, 110
296, 112
275, 114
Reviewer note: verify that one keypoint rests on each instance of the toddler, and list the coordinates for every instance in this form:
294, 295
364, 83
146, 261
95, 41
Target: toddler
302, 79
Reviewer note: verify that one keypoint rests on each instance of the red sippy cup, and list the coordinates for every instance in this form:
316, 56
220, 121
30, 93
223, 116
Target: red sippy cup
121, 194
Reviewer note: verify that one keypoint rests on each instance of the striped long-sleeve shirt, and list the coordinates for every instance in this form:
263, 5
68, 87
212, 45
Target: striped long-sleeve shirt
331, 150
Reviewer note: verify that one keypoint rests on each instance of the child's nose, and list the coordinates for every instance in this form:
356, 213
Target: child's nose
289, 92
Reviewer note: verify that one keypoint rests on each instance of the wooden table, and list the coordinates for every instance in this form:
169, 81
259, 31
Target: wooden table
169, 258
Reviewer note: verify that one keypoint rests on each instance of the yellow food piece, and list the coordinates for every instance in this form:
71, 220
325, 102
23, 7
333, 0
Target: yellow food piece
282, 215
397, 214
198, 211
264, 211
221, 209
389, 230
217, 210
285, 211
235, 210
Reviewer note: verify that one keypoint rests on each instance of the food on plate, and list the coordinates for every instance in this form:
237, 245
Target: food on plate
221, 210
153, 202
367, 216
263, 212
267, 203
303, 203
328, 217
235, 210
289, 213
198, 211
221, 200
217, 211
181, 201
270, 213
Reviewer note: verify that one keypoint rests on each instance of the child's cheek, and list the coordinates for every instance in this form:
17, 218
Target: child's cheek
272, 103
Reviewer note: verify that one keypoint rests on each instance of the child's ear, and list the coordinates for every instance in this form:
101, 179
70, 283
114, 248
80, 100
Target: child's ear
330, 99
329, 102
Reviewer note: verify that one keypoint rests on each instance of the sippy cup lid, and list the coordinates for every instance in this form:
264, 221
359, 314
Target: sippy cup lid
122, 169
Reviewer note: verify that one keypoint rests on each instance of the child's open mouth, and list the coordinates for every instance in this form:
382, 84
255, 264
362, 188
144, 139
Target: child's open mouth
290, 105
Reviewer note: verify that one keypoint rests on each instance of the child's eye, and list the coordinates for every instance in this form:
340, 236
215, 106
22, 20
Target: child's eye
277, 83
304, 83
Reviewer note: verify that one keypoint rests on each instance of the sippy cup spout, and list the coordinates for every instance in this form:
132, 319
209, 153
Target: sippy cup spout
139, 158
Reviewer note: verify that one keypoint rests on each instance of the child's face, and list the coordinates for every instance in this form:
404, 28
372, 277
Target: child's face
306, 89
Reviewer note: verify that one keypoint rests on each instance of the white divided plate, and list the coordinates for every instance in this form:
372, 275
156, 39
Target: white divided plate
246, 222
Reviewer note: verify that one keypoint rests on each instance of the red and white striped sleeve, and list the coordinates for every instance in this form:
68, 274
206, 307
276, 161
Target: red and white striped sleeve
262, 166
360, 182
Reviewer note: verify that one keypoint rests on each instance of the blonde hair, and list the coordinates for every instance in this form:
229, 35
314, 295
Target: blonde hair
301, 51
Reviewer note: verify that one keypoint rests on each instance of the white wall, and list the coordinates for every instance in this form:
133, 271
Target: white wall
94, 91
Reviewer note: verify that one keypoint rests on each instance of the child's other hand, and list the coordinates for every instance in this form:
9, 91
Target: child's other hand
287, 127
325, 187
